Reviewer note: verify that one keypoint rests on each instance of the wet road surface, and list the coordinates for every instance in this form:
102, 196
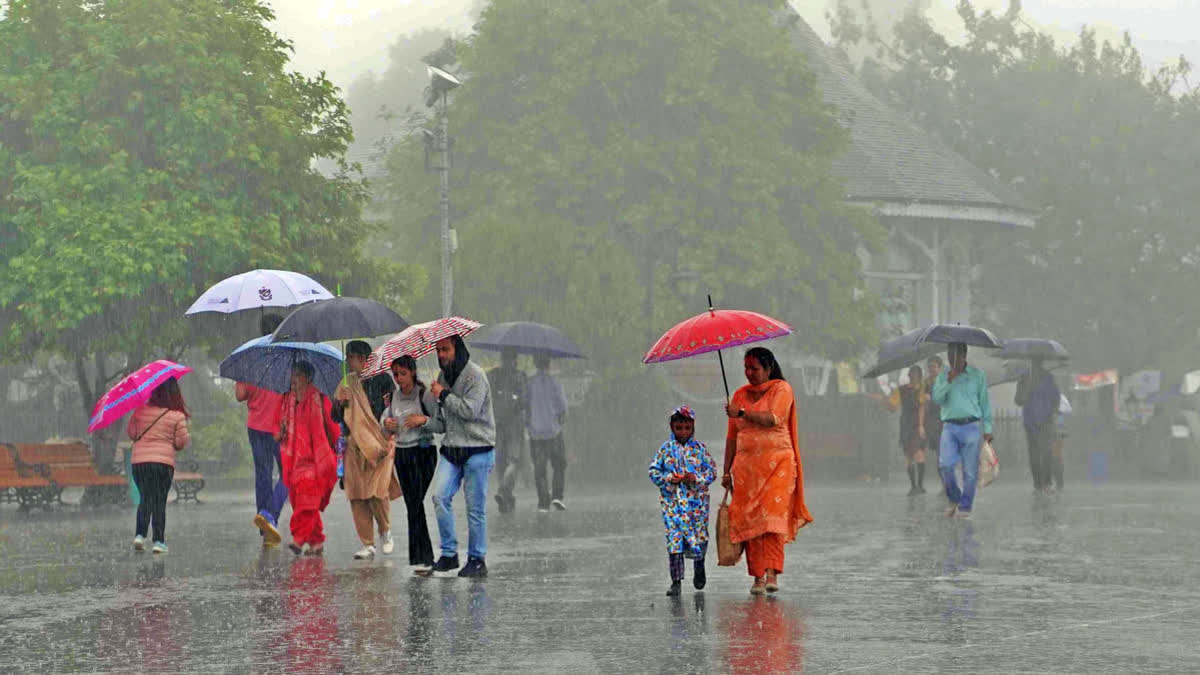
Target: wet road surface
1097, 580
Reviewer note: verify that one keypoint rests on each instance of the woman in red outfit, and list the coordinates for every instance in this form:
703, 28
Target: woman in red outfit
307, 436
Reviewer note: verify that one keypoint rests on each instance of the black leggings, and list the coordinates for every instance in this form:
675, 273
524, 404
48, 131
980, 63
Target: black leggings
414, 468
153, 482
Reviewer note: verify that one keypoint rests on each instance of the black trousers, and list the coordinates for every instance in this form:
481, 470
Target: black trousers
509, 441
414, 469
1041, 453
554, 451
153, 482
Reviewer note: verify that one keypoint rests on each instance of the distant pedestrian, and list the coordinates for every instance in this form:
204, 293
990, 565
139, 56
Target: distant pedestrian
158, 430
962, 393
410, 421
510, 390
262, 422
1058, 464
467, 455
370, 473
933, 412
547, 412
763, 470
307, 436
1039, 399
682, 469
909, 399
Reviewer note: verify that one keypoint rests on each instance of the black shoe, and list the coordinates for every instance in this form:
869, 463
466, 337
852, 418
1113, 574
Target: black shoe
699, 578
914, 491
674, 590
475, 567
295, 549
445, 564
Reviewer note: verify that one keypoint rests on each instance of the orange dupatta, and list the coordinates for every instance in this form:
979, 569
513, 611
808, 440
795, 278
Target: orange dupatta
761, 468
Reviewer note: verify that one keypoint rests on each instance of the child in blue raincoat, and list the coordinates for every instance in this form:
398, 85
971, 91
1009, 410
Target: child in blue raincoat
683, 470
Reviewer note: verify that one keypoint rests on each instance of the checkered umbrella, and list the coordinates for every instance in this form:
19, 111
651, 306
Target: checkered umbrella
417, 341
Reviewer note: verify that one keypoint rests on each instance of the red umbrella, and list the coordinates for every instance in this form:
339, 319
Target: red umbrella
713, 331
417, 341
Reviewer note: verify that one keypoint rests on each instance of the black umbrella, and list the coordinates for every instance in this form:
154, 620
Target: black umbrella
903, 351
339, 319
1013, 372
946, 333
526, 337
1032, 348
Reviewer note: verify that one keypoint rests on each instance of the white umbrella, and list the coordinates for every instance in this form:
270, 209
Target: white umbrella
258, 289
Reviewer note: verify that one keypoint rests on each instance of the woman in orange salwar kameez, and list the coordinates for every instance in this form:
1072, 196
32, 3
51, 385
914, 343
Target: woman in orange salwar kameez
307, 437
763, 469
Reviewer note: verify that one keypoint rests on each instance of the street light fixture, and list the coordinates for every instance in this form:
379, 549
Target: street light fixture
441, 84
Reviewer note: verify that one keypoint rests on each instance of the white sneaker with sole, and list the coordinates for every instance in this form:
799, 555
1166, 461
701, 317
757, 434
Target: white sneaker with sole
559, 505
365, 553
139, 543
160, 548
388, 544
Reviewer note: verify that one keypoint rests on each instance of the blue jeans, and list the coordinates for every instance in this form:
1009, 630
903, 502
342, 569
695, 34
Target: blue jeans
960, 443
266, 457
473, 476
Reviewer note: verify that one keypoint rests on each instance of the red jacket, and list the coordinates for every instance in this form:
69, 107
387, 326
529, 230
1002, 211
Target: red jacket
306, 450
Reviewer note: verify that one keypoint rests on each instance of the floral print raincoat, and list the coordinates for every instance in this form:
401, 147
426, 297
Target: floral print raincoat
684, 506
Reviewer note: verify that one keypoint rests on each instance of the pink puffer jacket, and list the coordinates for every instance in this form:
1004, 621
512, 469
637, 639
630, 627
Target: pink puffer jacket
157, 441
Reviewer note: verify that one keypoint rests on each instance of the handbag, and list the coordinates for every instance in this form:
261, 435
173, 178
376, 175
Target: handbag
989, 464
728, 553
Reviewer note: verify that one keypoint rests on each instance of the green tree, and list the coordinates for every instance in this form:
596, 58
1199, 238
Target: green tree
147, 149
1103, 145
601, 148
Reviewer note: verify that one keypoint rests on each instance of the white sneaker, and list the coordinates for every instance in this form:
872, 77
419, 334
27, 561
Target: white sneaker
365, 553
559, 505
139, 543
160, 548
388, 544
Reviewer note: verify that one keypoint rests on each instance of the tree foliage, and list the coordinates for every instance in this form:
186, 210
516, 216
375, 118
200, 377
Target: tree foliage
1086, 131
604, 151
149, 148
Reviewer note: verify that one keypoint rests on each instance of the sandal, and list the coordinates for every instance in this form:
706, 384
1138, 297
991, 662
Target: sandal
758, 588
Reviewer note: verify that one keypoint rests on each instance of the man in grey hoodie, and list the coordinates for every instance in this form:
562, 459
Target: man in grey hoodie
467, 455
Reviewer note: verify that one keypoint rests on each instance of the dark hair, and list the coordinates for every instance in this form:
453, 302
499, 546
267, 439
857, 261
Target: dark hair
541, 360
767, 360
680, 417
410, 364
167, 395
916, 368
358, 348
269, 322
304, 368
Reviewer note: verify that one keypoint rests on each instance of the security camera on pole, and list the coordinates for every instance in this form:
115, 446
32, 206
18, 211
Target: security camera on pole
440, 84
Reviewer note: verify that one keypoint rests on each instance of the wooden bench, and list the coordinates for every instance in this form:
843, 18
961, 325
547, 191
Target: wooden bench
70, 465
25, 484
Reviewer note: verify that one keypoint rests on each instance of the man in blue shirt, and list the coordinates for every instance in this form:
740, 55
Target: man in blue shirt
962, 394
1039, 398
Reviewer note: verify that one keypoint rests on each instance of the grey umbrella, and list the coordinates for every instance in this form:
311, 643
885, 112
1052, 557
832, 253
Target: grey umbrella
903, 351
1033, 348
947, 333
339, 319
526, 337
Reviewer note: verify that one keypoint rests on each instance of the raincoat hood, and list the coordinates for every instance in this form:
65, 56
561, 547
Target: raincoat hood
461, 357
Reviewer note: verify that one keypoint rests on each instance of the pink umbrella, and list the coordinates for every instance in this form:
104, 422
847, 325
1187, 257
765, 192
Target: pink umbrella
417, 341
133, 391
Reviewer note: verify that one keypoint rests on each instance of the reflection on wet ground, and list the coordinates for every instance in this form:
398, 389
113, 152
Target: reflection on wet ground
1097, 580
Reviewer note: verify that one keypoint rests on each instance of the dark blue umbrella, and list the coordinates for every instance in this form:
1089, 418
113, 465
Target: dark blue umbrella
339, 319
903, 351
267, 364
1032, 348
526, 337
947, 333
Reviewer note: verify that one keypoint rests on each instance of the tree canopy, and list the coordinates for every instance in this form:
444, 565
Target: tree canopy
149, 148
606, 151
1106, 147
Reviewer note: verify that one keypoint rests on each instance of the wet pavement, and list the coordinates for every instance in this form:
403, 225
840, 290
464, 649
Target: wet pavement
1096, 580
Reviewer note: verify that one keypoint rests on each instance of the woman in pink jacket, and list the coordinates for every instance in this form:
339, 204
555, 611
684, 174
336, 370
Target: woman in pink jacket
158, 430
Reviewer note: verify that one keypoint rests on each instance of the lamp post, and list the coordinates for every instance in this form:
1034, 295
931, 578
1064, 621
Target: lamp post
440, 85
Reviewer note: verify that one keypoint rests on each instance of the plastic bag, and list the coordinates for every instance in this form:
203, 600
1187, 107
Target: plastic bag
989, 464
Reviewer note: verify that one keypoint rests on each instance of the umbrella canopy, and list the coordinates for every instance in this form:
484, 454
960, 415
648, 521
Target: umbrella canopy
1013, 372
903, 351
258, 289
1033, 348
339, 319
268, 364
417, 341
713, 331
133, 391
954, 333
526, 337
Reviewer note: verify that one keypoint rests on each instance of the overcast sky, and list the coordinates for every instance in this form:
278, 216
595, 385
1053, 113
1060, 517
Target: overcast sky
348, 37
